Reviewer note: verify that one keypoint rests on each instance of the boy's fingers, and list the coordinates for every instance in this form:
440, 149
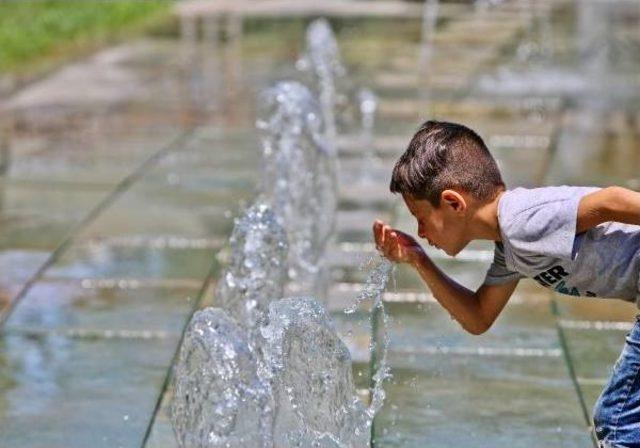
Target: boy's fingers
377, 227
379, 234
390, 239
388, 232
387, 238
393, 246
382, 237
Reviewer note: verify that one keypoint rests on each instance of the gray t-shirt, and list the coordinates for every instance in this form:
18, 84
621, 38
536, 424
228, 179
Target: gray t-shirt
539, 241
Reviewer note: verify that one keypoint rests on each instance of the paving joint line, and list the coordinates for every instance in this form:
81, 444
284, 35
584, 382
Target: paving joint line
122, 283
169, 374
515, 352
92, 333
116, 193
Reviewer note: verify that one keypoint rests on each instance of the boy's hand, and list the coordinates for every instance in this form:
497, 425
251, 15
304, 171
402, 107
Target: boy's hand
395, 245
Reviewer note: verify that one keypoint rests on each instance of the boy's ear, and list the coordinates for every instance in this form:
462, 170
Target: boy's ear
454, 200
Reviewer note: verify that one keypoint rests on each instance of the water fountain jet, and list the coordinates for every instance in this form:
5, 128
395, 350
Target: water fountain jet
299, 178
219, 400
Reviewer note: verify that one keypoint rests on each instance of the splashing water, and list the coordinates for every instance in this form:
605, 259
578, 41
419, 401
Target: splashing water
219, 401
299, 176
220, 398
301, 394
371, 166
429, 20
287, 383
323, 60
312, 379
430, 12
377, 279
368, 105
258, 269
380, 271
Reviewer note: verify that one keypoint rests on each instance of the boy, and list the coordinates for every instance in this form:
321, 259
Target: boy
582, 241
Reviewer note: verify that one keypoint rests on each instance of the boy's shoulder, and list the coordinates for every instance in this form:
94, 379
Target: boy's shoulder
541, 220
524, 202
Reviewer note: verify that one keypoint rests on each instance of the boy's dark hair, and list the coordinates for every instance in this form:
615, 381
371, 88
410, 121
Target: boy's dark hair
445, 155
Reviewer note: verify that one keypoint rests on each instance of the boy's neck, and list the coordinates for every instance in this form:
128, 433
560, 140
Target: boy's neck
484, 222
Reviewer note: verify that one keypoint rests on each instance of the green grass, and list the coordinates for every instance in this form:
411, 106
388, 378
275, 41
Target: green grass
33, 31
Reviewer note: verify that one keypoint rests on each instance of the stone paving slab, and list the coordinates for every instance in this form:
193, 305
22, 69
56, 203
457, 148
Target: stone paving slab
509, 387
468, 108
17, 266
152, 211
34, 221
597, 156
595, 309
61, 392
460, 401
418, 327
224, 163
594, 352
93, 157
38, 217
525, 328
501, 135
102, 261
76, 307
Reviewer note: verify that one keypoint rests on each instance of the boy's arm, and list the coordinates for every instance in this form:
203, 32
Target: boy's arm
475, 311
608, 204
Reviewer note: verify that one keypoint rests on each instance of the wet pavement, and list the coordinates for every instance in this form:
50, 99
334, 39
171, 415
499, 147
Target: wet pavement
121, 193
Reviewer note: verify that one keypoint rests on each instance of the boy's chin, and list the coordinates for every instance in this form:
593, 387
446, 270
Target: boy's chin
453, 252
447, 251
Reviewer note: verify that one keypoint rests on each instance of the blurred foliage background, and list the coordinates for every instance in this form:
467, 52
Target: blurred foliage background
34, 32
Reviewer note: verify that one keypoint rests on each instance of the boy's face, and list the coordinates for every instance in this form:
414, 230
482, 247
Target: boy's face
445, 226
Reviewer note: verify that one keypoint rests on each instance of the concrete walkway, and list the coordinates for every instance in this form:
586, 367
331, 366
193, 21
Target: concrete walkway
121, 195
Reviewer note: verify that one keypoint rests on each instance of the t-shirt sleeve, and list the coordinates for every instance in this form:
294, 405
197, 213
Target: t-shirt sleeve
545, 223
498, 273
